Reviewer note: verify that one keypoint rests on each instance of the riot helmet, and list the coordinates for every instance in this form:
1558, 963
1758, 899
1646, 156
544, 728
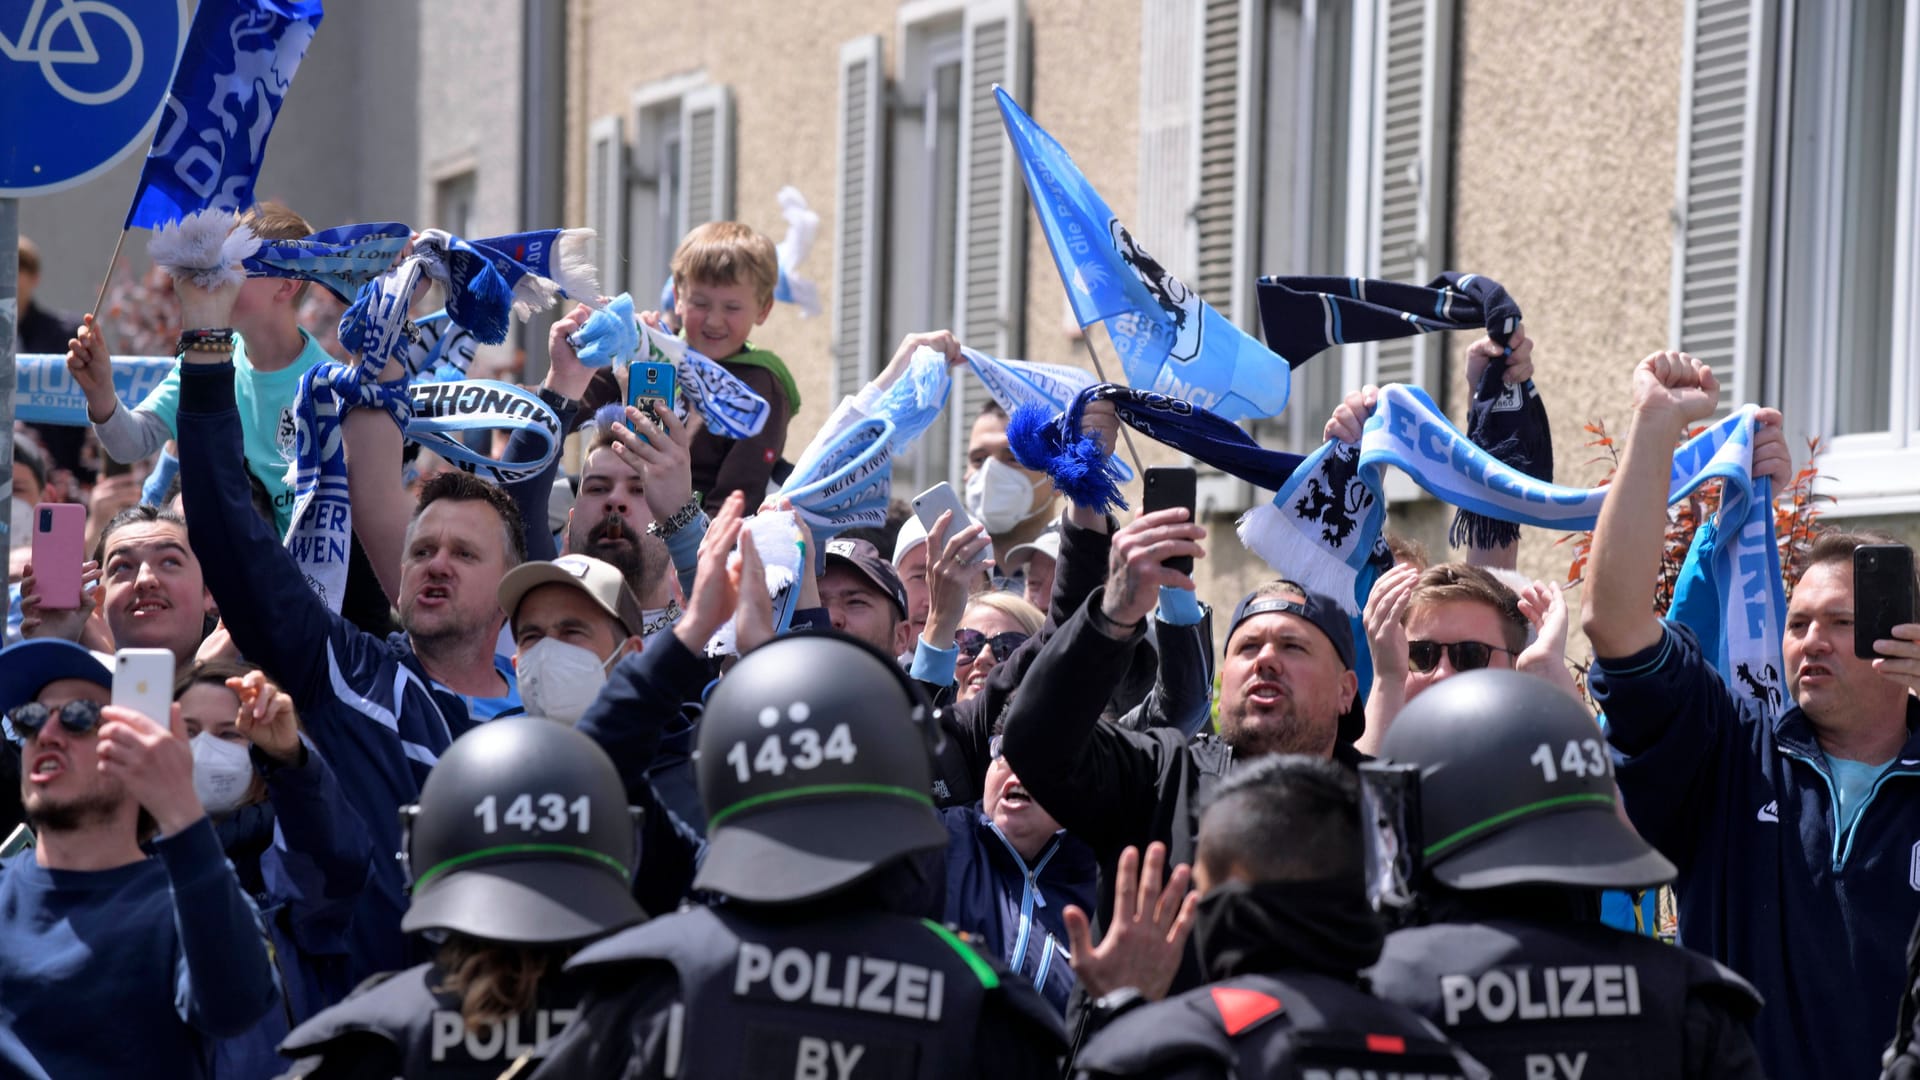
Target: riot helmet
1496, 778
522, 835
815, 759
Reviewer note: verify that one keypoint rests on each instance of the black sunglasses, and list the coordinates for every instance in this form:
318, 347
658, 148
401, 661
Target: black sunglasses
78, 717
970, 642
1424, 656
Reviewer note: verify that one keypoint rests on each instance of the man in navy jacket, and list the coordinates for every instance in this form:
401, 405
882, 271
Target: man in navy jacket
114, 962
1798, 839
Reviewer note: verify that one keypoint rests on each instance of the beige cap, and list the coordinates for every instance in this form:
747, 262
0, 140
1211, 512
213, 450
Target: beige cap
601, 581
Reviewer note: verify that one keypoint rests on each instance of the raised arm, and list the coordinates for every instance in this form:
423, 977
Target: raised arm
1670, 391
125, 434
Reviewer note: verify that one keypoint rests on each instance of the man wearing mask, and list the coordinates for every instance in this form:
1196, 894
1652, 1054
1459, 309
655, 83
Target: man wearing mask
572, 619
1015, 503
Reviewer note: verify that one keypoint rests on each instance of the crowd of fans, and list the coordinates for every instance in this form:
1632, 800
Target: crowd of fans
995, 761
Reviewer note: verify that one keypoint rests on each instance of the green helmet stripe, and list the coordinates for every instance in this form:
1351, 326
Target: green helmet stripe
817, 789
1517, 812
989, 978
568, 850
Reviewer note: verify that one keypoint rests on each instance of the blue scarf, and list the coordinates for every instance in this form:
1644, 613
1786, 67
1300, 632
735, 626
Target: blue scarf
844, 482
439, 350
339, 260
1304, 315
543, 267
611, 334
1323, 528
320, 538
1089, 478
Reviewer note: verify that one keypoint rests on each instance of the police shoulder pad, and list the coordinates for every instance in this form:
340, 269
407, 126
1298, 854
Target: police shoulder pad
1239, 1009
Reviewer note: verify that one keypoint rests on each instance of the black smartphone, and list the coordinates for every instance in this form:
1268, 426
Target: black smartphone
1882, 594
1167, 488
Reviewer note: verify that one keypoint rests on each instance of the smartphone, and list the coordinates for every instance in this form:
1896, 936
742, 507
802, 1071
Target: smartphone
59, 541
1166, 488
19, 840
1882, 594
937, 500
652, 386
143, 682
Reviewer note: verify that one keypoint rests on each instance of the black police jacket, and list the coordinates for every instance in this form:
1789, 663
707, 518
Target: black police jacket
1299, 1025
715, 992
1571, 1000
402, 1025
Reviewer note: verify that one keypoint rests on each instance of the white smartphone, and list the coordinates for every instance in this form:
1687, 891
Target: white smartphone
143, 682
937, 500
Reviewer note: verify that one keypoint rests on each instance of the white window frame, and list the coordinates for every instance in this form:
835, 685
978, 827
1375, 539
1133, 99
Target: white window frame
1868, 473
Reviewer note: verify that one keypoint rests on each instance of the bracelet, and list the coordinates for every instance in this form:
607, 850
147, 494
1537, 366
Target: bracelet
218, 340
681, 519
556, 400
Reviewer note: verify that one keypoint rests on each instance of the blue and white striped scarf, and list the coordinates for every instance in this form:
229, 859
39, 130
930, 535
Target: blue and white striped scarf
1323, 529
543, 267
339, 260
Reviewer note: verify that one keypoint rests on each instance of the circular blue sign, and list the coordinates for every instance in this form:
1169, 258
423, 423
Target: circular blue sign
81, 82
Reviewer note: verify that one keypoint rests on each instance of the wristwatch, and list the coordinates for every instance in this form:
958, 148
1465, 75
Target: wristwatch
681, 519
557, 401
1111, 1005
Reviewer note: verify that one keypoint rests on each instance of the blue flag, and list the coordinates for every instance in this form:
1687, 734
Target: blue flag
1169, 340
235, 70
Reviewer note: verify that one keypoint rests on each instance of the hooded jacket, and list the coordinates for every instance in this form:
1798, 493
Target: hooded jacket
1013, 908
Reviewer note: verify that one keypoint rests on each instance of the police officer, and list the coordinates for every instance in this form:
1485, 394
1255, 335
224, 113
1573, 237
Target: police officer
1283, 931
520, 849
1494, 823
814, 762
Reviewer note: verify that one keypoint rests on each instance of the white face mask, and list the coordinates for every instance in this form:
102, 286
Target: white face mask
222, 772
558, 681
999, 496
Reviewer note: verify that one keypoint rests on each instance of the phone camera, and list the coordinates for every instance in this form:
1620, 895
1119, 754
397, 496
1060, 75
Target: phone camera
46, 521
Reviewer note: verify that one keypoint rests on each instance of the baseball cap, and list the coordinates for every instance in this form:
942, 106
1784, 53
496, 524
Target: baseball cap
912, 535
26, 669
1326, 616
863, 557
1047, 543
601, 581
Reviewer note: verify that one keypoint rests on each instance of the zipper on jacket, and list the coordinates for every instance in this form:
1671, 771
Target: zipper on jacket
1046, 963
1843, 837
1029, 893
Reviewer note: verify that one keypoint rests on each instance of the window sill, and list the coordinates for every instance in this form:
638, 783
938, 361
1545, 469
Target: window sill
1870, 480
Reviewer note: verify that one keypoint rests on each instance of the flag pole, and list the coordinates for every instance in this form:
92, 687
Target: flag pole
105, 281
1132, 451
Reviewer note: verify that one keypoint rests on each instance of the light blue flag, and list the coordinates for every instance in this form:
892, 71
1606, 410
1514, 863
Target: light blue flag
236, 69
1169, 340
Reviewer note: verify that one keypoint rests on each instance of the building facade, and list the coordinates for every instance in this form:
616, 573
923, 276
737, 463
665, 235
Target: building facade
1732, 177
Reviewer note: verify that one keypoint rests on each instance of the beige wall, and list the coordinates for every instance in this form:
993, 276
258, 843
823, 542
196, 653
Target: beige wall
1563, 163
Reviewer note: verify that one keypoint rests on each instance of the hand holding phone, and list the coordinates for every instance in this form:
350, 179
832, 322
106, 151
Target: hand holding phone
1166, 489
1882, 594
651, 387
940, 499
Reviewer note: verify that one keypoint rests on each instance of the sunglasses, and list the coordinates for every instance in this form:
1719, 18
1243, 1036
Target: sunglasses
970, 642
1424, 656
78, 717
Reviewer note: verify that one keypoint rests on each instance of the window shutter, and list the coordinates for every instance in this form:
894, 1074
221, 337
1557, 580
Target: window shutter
989, 280
607, 200
1407, 196
859, 195
1169, 119
1223, 190
706, 125
1719, 218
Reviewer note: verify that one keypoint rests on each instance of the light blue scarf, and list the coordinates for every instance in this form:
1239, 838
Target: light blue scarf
1323, 529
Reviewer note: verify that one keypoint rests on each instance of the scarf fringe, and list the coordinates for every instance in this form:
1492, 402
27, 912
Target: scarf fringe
1077, 465
578, 276
1272, 534
1480, 531
205, 248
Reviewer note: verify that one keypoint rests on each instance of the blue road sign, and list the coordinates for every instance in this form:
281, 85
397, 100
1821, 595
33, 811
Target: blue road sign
81, 82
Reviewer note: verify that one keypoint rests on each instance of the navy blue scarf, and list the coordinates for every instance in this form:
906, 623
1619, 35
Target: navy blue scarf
1091, 478
1303, 316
